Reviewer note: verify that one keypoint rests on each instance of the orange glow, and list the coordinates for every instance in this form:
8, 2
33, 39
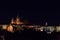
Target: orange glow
17, 21
10, 28
12, 21
30, 26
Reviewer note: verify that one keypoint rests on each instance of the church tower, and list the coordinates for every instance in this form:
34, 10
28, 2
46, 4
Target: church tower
12, 21
18, 20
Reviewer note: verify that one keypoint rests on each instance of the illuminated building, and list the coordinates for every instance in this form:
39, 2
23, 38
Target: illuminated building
17, 21
12, 21
31, 26
41, 28
58, 28
10, 28
52, 28
4, 27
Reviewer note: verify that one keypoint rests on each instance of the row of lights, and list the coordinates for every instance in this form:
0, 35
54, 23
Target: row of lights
48, 29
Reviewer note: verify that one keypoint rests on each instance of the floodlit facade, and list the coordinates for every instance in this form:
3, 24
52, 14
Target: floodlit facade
52, 28
12, 21
10, 28
19, 25
17, 21
41, 28
4, 27
58, 28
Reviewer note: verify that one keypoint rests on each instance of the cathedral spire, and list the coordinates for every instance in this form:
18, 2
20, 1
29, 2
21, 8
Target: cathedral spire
46, 23
12, 21
17, 20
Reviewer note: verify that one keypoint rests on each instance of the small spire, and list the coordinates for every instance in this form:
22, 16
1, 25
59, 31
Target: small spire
12, 21
46, 24
18, 14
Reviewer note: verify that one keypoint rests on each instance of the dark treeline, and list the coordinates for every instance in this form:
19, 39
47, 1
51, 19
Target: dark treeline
29, 34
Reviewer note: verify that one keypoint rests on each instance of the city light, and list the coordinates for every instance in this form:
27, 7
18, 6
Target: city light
10, 28
17, 25
4, 27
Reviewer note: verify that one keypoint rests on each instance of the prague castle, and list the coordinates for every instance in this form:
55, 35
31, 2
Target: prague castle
18, 26
17, 21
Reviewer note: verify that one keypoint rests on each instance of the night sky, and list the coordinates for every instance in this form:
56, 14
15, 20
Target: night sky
33, 12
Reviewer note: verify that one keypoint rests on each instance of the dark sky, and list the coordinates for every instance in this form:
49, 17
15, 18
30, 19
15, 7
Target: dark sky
34, 12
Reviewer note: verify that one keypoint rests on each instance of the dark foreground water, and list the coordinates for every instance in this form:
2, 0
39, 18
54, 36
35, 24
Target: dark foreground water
29, 35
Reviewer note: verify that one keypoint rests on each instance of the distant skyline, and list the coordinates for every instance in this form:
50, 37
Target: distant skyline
35, 13
35, 17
